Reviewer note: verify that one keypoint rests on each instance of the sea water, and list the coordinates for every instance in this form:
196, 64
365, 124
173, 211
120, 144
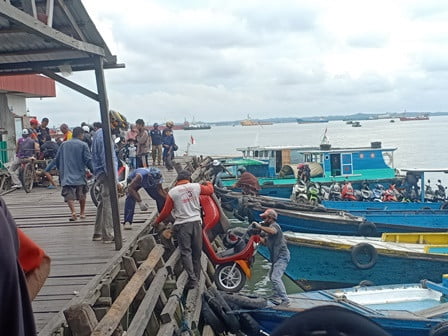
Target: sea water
420, 144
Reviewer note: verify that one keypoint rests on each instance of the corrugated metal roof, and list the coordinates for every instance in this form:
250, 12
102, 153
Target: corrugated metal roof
28, 44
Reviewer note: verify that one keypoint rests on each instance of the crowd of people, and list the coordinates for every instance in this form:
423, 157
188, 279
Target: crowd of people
82, 149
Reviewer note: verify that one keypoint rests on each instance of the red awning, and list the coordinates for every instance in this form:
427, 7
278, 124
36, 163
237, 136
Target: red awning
28, 85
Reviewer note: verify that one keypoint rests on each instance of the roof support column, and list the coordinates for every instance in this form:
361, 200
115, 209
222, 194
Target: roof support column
111, 181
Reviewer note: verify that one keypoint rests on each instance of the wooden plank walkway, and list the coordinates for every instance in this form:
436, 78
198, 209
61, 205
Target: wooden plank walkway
76, 259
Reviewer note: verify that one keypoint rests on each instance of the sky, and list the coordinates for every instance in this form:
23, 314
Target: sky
221, 60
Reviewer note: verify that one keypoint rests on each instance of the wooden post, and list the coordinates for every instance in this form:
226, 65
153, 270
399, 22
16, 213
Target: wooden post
111, 180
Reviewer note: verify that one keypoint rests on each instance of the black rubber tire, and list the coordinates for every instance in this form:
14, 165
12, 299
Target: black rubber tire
221, 308
249, 325
220, 274
95, 192
367, 229
444, 206
440, 329
362, 250
28, 178
211, 319
243, 301
337, 321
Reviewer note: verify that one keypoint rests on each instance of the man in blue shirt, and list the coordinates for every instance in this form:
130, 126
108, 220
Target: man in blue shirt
72, 159
103, 222
149, 179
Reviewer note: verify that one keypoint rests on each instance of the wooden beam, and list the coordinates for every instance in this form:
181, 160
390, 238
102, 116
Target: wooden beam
40, 29
71, 19
146, 308
113, 317
70, 84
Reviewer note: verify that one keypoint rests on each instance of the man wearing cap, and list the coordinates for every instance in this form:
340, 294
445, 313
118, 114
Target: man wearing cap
33, 130
149, 179
279, 254
26, 147
183, 203
156, 139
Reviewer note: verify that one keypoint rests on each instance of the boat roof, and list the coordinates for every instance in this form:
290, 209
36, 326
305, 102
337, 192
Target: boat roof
316, 149
245, 162
426, 170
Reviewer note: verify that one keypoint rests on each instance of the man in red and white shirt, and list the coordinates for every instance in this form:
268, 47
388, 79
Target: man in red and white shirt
184, 204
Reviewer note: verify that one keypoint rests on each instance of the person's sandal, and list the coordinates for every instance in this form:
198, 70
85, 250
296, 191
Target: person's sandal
73, 218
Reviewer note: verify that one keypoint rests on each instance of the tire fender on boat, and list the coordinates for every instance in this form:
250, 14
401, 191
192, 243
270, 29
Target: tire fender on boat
366, 229
444, 206
221, 309
440, 329
211, 319
364, 256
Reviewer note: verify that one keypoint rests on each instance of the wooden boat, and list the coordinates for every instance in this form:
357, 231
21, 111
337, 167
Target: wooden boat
331, 261
366, 223
328, 165
417, 309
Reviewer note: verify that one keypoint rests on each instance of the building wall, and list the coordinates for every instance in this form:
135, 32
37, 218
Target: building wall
7, 125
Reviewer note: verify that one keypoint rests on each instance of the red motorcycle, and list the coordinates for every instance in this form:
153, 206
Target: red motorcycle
234, 263
348, 193
390, 195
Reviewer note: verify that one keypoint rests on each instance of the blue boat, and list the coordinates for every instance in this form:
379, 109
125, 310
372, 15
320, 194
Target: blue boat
371, 223
327, 164
330, 261
380, 206
418, 309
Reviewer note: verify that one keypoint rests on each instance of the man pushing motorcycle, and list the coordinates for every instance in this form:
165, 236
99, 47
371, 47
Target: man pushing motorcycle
278, 251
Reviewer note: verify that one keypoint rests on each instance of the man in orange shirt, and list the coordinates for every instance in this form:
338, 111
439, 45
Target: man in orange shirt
184, 204
68, 135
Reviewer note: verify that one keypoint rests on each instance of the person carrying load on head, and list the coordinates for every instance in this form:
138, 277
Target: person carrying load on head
247, 182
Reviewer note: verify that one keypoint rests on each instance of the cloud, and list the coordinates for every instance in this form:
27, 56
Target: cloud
221, 60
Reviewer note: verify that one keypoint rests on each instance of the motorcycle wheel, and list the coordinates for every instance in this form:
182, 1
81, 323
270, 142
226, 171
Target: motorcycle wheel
95, 192
28, 177
229, 277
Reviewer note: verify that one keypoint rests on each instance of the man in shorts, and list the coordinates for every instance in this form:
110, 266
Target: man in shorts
72, 159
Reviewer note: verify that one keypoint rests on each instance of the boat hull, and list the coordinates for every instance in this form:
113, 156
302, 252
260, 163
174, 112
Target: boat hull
324, 264
399, 318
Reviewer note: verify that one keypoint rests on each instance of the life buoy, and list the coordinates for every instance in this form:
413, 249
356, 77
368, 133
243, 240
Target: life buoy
364, 256
367, 229
440, 329
221, 309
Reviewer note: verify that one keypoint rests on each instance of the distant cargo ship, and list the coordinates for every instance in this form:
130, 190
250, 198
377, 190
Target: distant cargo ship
311, 120
196, 126
422, 117
251, 122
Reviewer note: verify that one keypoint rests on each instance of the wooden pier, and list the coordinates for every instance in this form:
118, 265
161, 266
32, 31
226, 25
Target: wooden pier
79, 265
94, 290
